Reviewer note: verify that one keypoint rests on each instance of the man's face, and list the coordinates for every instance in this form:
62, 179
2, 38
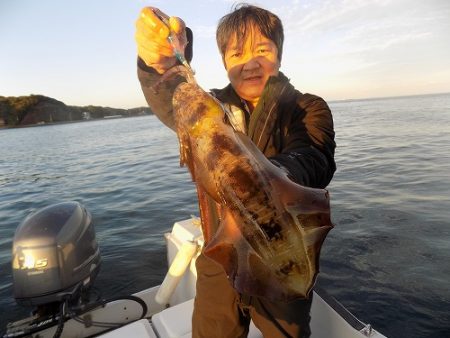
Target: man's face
250, 65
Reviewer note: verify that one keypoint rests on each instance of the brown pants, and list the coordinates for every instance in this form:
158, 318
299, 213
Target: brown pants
220, 311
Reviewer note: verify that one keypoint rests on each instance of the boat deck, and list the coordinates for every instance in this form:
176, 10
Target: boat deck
176, 322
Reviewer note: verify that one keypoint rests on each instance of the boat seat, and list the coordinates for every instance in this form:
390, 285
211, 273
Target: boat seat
138, 329
175, 322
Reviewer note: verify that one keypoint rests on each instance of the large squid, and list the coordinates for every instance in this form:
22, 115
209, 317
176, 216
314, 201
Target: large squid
271, 229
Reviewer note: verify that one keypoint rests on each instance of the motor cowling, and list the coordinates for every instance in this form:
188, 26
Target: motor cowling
55, 253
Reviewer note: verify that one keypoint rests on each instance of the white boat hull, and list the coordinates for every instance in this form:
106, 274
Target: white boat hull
329, 319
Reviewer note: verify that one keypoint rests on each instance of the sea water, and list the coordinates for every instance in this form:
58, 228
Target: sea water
387, 259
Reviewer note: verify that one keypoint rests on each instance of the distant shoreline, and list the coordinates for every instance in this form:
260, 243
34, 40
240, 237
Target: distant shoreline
36, 110
388, 97
41, 110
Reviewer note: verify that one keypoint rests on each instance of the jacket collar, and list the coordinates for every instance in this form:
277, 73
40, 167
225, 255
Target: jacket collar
278, 95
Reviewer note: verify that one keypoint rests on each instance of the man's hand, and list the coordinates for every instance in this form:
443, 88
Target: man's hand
151, 39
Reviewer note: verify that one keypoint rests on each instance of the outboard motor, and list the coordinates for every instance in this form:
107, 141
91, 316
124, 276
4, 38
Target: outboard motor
55, 260
55, 255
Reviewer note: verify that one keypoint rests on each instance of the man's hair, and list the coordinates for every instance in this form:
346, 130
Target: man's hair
238, 23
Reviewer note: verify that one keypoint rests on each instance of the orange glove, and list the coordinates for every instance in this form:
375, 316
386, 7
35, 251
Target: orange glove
151, 39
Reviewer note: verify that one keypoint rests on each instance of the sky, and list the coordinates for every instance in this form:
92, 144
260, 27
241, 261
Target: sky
83, 52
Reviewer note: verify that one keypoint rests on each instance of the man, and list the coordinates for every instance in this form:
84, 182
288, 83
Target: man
294, 130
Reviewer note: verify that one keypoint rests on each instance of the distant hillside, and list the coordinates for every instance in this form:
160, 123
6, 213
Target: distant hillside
38, 109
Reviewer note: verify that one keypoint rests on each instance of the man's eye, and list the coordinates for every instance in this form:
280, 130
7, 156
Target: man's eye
262, 51
235, 55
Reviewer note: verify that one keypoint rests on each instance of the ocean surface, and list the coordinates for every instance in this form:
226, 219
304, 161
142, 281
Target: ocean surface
387, 259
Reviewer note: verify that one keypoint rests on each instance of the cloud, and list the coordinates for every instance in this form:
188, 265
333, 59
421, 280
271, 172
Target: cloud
349, 17
364, 33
